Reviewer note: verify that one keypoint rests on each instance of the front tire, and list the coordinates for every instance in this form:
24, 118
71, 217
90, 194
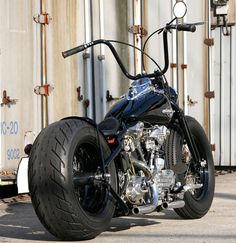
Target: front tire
197, 202
60, 152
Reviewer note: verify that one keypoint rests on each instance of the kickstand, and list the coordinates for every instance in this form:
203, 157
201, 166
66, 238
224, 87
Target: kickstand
117, 198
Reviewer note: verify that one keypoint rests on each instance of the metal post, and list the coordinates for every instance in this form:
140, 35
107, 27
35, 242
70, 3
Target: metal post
101, 58
44, 101
184, 67
88, 62
138, 38
174, 56
210, 118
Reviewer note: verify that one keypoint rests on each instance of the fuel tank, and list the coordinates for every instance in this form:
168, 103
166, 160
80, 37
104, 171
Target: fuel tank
151, 107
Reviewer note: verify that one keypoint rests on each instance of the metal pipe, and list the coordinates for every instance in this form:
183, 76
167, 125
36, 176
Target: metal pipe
174, 61
87, 60
184, 67
138, 39
210, 81
221, 100
230, 99
177, 62
176, 204
101, 58
232, 102
93, 100
150, 207
44, 101
141, 166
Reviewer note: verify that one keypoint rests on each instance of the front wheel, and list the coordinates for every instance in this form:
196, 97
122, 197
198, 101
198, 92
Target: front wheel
178, 157
61, 152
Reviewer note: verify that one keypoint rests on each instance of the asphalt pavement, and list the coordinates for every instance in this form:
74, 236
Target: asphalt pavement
18, 222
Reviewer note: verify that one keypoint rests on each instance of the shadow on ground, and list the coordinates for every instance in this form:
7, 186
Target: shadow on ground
20, 222
226, 196
8, 191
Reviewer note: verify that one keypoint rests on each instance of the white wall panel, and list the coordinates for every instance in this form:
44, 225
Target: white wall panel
65, 31
224, 102
157, 14
20, 67
196, 60
233, 99
17, 78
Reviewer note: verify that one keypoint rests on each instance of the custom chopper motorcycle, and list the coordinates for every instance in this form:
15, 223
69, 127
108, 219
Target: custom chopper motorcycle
144, 157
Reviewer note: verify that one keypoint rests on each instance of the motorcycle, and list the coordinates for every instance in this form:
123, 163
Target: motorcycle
144, 157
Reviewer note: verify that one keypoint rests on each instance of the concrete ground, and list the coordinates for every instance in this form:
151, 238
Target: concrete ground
18, 222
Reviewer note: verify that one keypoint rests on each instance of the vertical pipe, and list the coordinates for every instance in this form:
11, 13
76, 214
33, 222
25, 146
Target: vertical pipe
185, 69
87, 59
174, 57
93, 100
179, 87
220, 112
210, 81
230, 99
138, 38
44, 100
177, 61
102, 58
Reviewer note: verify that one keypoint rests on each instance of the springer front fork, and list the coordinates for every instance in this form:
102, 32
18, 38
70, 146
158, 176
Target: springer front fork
188, 136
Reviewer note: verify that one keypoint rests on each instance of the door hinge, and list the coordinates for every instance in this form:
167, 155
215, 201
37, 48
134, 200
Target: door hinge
138, 30
209, 42
173, 65
80, 96
210, 94
42, 18
109, 97
184, 66
43, 90
191, 102
213, 147
86, 103
6, 100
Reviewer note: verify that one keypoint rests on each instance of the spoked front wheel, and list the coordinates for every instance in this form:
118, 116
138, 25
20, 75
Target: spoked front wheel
178, 157
62, 153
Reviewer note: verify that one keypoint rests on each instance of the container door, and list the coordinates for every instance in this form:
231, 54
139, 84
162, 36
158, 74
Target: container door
16, 83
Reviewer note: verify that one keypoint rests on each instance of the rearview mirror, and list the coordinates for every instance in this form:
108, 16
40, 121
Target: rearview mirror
180, 10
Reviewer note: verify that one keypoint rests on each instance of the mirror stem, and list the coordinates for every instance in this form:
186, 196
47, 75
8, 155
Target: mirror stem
172, 21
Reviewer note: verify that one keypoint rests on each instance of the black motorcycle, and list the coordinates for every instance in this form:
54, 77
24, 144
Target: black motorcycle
145, 156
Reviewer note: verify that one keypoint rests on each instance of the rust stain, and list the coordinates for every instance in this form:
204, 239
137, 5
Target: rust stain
7, 173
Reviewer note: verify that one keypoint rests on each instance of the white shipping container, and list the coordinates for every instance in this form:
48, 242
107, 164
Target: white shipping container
17, 75
95, 71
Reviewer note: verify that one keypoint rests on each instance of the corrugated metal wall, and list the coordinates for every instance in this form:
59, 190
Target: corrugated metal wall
76, 21
18, 77
224, 111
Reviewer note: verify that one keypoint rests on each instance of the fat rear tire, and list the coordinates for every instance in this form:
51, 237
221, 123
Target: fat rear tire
60, 151
196, 206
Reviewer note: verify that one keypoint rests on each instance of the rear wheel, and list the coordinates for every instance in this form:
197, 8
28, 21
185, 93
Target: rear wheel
62, 152
178, 157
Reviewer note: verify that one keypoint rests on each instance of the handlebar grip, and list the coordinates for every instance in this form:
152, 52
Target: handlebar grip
187, 27
73, 51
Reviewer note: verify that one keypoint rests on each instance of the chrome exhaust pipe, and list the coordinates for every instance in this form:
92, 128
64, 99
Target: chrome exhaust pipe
154, 191
150, 207
141, 166
176, 204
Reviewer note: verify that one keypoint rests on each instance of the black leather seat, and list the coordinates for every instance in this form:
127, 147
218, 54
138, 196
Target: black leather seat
109, 126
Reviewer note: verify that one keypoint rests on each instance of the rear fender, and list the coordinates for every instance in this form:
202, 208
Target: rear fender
22, 176
86, 119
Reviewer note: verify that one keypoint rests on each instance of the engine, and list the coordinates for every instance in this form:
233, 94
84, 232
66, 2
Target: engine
147, 182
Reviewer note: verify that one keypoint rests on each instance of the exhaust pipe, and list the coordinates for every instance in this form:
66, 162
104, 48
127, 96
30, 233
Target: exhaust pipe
153, 205
150, 207
176, 204
141, 166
